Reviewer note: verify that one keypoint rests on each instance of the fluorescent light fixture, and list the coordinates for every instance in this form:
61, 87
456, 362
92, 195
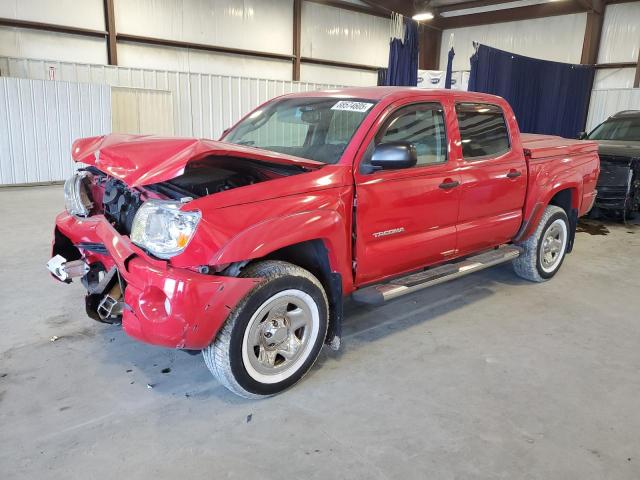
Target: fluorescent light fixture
422, 16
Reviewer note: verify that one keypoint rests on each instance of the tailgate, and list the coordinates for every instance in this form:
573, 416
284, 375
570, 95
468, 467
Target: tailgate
541, 146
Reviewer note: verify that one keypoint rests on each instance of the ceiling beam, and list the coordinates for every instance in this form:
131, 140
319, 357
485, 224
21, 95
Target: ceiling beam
50, 27
404, 7
615, 65
332, 63
373, 9
471, 4
529, 12
125, 37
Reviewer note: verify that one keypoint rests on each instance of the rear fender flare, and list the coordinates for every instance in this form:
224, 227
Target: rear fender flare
531, 222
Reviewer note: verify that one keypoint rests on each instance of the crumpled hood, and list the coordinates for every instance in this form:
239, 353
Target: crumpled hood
619, 148
142, 160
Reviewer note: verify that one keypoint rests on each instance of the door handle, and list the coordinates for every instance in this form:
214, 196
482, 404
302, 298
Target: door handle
448, 183
514, 173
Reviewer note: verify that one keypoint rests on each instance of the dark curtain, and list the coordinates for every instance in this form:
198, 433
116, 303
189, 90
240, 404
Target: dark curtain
447, 78
547, 97
403, 57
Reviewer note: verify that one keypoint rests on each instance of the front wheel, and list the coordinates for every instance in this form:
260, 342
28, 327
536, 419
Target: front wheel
545, 249
274, 335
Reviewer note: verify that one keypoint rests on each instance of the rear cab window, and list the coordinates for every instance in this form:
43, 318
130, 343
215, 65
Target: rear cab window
483, 131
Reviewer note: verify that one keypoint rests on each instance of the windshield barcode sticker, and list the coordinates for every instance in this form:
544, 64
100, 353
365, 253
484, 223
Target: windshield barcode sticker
352, 106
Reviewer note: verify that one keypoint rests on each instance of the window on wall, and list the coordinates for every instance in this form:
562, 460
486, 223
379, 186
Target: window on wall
423, 126
483, 130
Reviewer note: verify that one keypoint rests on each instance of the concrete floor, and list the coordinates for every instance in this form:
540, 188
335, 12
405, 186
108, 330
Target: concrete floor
487, 377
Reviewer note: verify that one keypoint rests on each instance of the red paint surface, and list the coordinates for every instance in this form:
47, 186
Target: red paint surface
173, 306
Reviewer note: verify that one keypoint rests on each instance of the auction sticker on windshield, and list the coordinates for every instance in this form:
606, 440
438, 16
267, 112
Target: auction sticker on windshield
350, 106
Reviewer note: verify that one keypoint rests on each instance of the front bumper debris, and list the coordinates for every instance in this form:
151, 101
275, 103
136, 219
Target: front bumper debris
161, 304
64, 270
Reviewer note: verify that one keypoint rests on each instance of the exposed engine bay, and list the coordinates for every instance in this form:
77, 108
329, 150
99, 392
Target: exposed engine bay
210, 175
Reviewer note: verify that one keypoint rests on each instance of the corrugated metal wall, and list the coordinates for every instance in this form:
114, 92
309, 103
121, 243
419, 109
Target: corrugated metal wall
204, 105
39, 121
605, 103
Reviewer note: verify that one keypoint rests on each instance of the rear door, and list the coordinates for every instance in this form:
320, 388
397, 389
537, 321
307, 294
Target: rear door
406, 218
493, 177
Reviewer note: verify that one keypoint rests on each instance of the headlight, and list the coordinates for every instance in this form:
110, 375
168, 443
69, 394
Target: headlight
76, 195
162, 228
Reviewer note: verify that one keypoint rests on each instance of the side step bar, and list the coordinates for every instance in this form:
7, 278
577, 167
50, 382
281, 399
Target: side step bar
378, 294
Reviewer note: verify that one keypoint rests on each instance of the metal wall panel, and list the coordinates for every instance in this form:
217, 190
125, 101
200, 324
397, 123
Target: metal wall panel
346, 76
620, 33
39, 121
553, 38
141, 111
338, 34
189, 60
264, 25
608, 78
78, 104
24, 42
84, 14
605, 103
204, 105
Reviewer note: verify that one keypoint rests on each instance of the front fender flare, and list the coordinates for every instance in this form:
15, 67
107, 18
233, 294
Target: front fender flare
275, 233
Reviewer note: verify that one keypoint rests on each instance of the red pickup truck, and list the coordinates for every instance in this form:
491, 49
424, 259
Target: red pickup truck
245, 248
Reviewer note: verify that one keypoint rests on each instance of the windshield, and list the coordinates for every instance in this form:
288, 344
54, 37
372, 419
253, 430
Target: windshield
313, 128
627, 129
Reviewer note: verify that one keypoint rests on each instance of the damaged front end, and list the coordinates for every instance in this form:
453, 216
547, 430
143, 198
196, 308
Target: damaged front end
119, 240
618, 185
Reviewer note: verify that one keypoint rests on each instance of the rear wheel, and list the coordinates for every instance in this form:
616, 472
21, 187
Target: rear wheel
545, 249
274, 335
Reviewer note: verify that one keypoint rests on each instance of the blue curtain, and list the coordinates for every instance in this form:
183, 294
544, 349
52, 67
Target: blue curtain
547, 97
403, 57
447, 78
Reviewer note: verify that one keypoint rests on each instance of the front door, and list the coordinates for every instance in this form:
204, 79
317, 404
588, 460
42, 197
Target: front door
406, 218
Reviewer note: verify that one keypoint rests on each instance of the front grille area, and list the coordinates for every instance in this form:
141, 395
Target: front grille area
120, 204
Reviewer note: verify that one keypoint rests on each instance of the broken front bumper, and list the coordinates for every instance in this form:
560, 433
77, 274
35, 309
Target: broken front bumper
167, 306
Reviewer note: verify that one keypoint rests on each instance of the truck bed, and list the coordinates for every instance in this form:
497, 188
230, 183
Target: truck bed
543, 146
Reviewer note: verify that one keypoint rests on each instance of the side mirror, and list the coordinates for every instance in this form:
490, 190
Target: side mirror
582, 135
393, 156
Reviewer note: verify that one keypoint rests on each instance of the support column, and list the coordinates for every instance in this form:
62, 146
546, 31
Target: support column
430, 40
110, 26
297, 38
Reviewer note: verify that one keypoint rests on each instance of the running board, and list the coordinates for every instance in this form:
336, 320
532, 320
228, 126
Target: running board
380, 293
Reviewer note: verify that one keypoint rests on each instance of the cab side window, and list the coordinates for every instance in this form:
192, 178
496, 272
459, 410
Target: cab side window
423, 126
483, 130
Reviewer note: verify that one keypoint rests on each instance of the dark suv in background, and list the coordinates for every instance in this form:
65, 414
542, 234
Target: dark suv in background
619, 148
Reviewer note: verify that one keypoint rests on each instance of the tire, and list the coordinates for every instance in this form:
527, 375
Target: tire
538, 263
255, 354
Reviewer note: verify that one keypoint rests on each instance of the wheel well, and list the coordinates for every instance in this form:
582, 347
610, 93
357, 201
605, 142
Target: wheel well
566, 200
313, 256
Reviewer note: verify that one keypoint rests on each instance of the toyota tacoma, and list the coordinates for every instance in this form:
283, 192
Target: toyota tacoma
245, 248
